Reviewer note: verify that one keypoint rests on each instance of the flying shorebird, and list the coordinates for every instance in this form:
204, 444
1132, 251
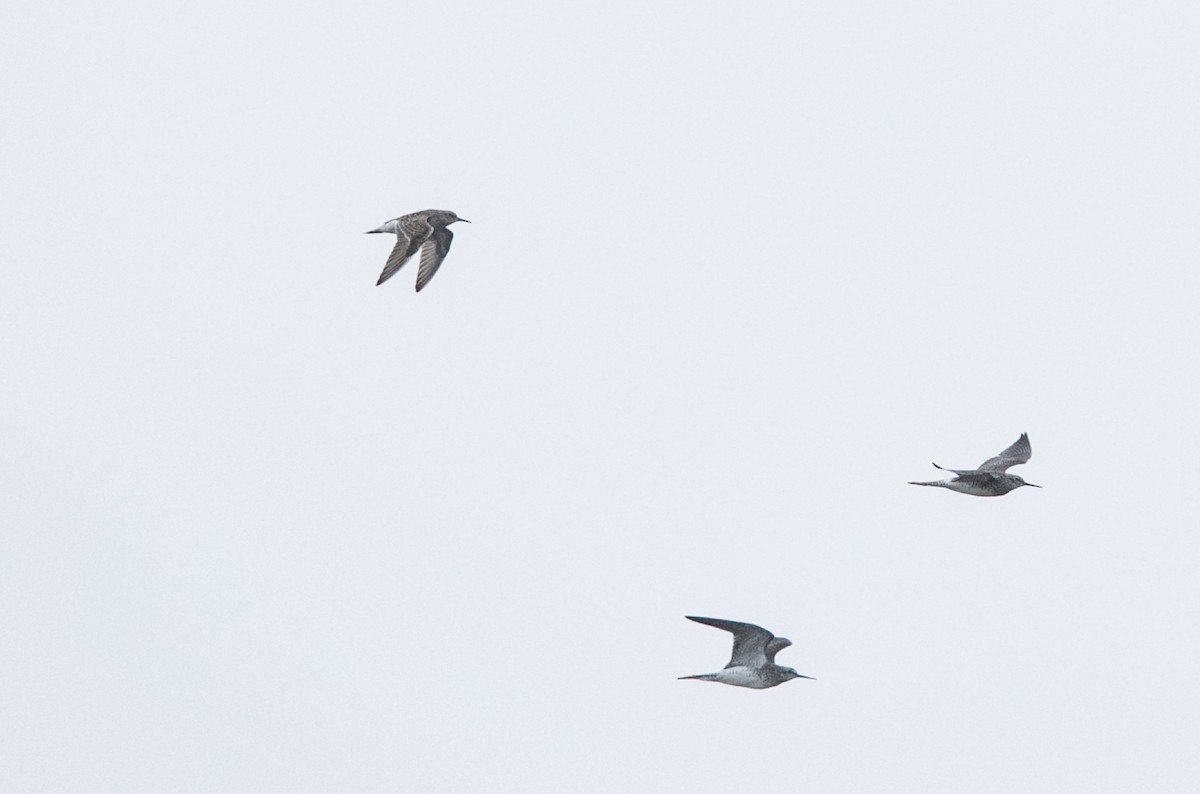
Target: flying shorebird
425, 230
753, 663
992, 477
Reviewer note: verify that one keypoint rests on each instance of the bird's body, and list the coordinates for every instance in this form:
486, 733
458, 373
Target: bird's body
749, 677
977, 483
753, 662
992, 477
424, 231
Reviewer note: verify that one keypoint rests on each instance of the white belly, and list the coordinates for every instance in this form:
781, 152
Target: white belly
741, 676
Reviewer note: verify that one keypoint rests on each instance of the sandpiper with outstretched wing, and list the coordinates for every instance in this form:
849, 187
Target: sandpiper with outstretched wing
425, 231
753, 662
992, 477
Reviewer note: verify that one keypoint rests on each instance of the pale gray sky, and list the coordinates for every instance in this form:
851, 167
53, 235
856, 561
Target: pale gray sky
736, 274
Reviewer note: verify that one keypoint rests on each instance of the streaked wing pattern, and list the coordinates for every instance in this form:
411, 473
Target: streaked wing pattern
1018, 453
405, 247
980, 479
775, 646
432, 253
749, 641
416, 224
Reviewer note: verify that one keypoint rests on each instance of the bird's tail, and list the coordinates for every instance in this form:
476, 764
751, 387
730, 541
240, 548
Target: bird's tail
935, 483
703, 677
387, 228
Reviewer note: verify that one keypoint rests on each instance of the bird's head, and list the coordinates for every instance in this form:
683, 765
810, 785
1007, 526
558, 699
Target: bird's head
1016, 478
449, 217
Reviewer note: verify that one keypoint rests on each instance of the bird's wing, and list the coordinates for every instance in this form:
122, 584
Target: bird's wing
406, 246
432, 253
1018, 453
959, 472
775, 646
749, 641
982, 479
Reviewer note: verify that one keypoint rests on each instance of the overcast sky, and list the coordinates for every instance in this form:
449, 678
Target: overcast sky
735, 275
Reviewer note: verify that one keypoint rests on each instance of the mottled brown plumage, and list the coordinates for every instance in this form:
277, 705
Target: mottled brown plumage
424, 231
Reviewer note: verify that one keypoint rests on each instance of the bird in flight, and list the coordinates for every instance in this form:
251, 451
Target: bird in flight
425, 230
753, 663
992, 477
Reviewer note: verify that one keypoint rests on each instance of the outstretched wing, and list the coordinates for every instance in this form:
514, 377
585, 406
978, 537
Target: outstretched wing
1018, 453
775, 646
406, 246
432, 253
749, 641
980, 483
959, 472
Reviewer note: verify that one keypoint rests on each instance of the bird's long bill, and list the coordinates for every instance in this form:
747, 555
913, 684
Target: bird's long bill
809, 677
1031, 484
464, 220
